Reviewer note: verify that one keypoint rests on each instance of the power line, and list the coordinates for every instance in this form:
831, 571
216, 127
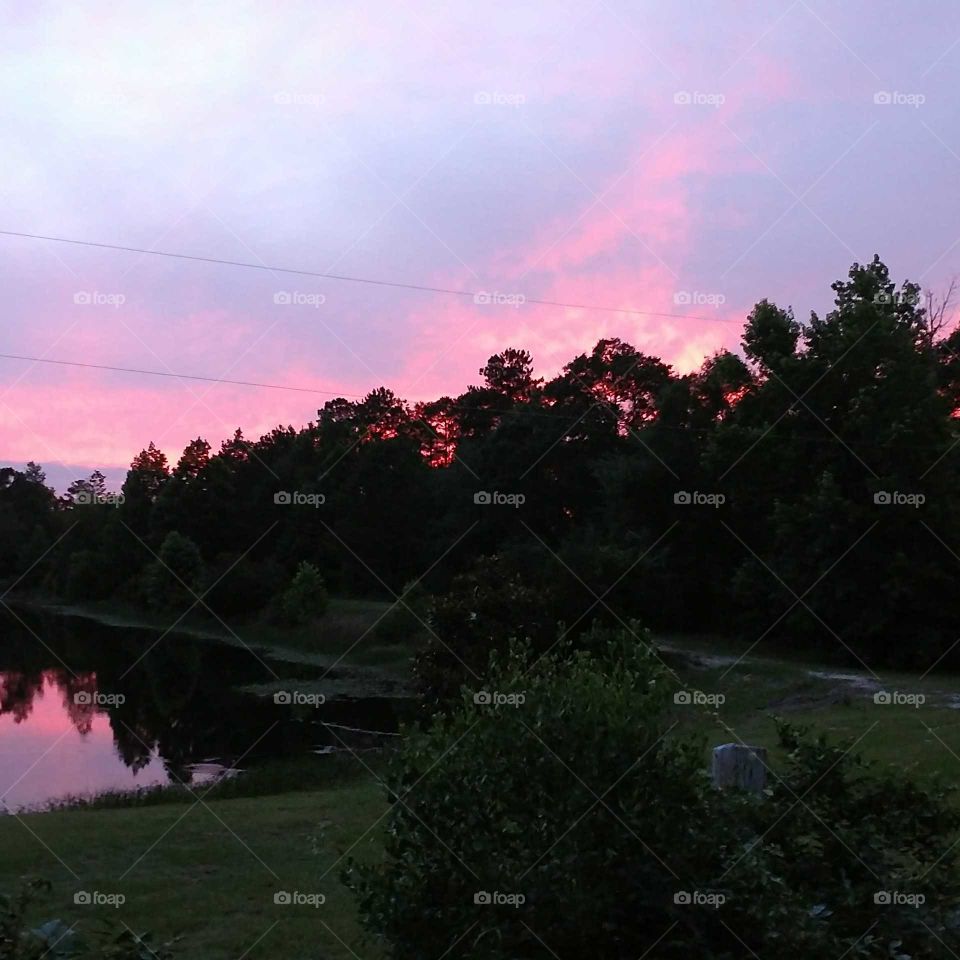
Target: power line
552, 413
177, 376
243, 383
250, 383
349, 279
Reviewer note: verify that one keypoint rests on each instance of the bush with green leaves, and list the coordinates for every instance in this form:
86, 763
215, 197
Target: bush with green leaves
87, 577
239, 587
554, 812
484, 609
16, 940
306, 598
173, 580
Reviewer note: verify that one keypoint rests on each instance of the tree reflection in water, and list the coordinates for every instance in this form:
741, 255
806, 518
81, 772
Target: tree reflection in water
173, 698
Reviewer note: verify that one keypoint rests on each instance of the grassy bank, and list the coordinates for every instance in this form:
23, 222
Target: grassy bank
274, 777
204, 874
350, 632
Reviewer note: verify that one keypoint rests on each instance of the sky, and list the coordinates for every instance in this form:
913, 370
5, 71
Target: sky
672, 157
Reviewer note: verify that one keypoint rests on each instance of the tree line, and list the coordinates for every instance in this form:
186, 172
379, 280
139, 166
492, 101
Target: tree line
800, 493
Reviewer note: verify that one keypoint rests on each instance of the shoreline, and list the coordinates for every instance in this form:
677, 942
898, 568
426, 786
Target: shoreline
279, 644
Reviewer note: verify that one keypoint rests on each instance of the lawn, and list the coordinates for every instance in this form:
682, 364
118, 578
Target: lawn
920, 737
205, 874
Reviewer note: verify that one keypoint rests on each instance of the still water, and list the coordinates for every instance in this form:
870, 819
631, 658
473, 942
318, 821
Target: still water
86, 708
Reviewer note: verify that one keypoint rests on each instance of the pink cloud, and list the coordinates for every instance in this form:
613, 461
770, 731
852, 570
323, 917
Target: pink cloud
627, 252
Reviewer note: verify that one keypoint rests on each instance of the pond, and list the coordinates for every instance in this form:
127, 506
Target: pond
86, 708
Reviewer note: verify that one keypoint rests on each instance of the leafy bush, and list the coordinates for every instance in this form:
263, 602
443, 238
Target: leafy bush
108, 941
240, 586
16, 940
306, 598
555, 815
173, 580
86, 577
483, 610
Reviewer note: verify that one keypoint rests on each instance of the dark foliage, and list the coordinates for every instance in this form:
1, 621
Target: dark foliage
804, 493
558, 815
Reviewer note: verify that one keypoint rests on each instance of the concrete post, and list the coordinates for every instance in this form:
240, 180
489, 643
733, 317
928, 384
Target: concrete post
739, 766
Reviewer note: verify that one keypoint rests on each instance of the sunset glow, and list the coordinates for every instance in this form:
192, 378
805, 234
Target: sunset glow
670, 159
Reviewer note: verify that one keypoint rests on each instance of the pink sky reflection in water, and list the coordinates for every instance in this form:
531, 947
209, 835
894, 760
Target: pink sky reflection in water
46, 756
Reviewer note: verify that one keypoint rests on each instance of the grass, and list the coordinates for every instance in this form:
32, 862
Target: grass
920, 740
203, 874
351, 631
350, 628
282, 775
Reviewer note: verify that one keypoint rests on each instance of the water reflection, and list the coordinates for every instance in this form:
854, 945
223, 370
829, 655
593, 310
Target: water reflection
64, 747
86, 708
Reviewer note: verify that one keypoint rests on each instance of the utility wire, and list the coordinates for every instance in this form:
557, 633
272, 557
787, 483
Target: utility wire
176, 376
554, 413
335, 276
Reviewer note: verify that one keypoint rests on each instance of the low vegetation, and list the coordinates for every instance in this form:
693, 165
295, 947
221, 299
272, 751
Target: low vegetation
557, 812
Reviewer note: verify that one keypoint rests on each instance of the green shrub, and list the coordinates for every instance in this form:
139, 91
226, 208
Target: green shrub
173, 580
16, 940
241, 587
564, 800
87, 577
306, 598
482, 612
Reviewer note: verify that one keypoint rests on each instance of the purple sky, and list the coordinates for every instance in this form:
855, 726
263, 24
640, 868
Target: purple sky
619, 154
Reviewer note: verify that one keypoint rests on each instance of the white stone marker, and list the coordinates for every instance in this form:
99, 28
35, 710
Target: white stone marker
743, 767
